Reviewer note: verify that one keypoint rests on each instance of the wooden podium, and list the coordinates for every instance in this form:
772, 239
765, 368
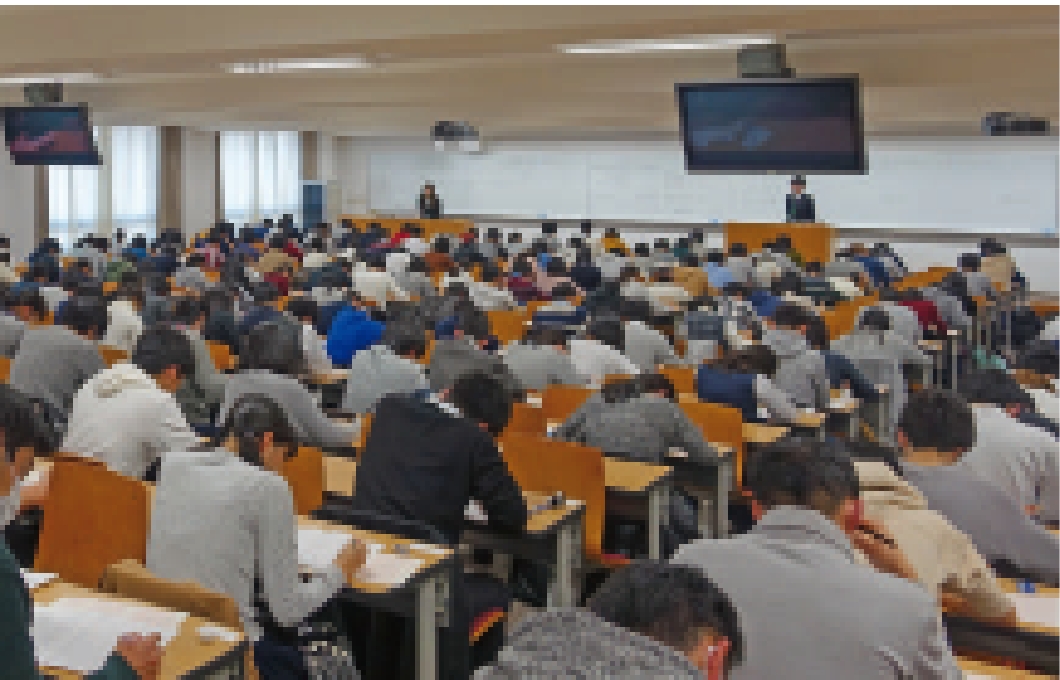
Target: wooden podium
815, 242
431, 228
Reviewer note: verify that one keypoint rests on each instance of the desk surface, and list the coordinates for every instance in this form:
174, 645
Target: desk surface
633, 477
184, 654
756, 433
433, 556
972, 668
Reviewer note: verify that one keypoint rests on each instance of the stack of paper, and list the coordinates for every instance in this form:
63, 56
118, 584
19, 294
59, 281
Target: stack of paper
1042, 610
317, 549
388, 569
80, 633
35, 579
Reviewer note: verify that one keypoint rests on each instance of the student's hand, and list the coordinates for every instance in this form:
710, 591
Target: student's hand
142, 653
351, 559
873, 539
33, 495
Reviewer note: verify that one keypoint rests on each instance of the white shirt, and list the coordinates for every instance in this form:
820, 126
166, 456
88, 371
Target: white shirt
417, 246
594, 360
377, 286
315, 260
397, 262
1047, 404
316, 354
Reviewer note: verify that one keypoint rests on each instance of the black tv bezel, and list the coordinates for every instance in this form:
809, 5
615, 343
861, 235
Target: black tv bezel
60, 159
851, 81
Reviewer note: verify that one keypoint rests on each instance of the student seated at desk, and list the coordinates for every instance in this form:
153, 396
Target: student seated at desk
191, 275
841, 370
224, 517
273, 363
352, 330
392, 367
25, 436
1020, 458
542, 359
124, 324
427, 456
936, 429
646, 347
467, 349
944, 558
561, 311
304, 310
415, 280
808, 607
126, 416
220, 324
54, 361
801, 371
22, 307
648, 620
201, 392
743, 379
599, 353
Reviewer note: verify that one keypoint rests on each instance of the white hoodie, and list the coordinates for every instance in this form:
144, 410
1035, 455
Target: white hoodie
124, 419
124, 325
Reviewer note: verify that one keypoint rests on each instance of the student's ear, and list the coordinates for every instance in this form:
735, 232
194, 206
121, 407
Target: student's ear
902, 439
1014, 410
709, 656
849, 514
272, 456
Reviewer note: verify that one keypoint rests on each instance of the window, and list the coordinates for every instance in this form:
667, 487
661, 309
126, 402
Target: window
260, 175
123, 192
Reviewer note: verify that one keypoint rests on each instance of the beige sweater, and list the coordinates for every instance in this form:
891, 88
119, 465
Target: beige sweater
943, 557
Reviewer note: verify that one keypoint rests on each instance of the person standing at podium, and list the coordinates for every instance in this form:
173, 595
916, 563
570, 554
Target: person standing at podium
800, 207
430, 205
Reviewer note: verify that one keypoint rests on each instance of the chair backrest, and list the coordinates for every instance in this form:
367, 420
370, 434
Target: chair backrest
683, 378
720, 425
93, 517
526, 418
560, 401
547, 466
508, 325
131, 579
362, 436
304, 473
112, 355
221, 354
5, 369
842, 318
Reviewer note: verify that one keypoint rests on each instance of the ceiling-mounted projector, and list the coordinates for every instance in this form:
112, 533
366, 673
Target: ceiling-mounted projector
763, 61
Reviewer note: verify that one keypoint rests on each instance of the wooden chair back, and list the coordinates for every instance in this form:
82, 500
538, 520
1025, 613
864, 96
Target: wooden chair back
5, 369
93, 517
526, 419
304, 473
720, 425
112, 355
130, 579
109, 287
362, 436
547, 466
683, 378
223, 359
842, 318
508, 325
558, 402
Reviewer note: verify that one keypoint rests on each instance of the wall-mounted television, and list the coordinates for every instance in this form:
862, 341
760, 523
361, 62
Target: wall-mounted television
773, 125
50, 135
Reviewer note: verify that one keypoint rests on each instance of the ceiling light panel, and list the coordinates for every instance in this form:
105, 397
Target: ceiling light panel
289, 65
685, 43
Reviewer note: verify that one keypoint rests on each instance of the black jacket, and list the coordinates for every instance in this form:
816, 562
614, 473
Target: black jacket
430, 210
424, 464
800, 208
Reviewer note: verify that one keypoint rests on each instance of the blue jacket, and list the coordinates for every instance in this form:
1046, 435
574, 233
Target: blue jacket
729, 389
876, 271
765, 304
840, 368
351, 331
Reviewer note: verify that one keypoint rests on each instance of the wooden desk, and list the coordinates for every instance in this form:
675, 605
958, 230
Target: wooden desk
971, 667
643, 479
184, 654
340, 475
815, 242
758, 434
427, 586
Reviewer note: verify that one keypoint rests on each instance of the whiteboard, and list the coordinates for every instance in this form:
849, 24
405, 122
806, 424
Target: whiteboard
971, 184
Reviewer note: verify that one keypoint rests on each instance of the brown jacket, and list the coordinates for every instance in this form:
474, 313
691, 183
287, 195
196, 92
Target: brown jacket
692, 279
274, 261
944, 558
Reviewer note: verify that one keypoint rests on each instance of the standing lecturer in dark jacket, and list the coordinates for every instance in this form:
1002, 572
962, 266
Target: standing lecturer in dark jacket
430, 205
800, 206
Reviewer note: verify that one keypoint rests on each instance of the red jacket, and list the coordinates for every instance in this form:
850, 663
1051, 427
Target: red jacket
279, 280
927, 313
293, 250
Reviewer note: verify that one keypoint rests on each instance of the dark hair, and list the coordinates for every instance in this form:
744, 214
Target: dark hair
609, 331
656, 382
483, 398
641, 250
249, 419
407, 342
738, 250
801, 472
160, 347
620, 390
441, 245
31, 298
473, 322
274, 346
635, 309
789, 315
587, 227
23, 425
787, 282
85, 314
814, 267
993, 386
549, 228
715, 257
757, 358
277, 242
556, 267
303, 308
735, 288
187, 310
938, 419
563, 291
816, 332
875, 319
970, 261
545, 336
669, 603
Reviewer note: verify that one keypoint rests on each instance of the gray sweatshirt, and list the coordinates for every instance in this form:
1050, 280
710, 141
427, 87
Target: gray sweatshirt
52, 363
801, 371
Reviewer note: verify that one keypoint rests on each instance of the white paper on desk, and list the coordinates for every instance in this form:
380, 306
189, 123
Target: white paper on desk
388, 569
978, 677
1043, 610
317, 549
79, 633
36, 579
474, 512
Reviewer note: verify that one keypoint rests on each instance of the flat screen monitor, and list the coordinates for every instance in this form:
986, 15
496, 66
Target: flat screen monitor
50, 135
773, 125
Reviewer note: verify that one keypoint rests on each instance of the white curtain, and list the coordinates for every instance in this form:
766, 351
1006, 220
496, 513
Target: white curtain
123, 192
260, 174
